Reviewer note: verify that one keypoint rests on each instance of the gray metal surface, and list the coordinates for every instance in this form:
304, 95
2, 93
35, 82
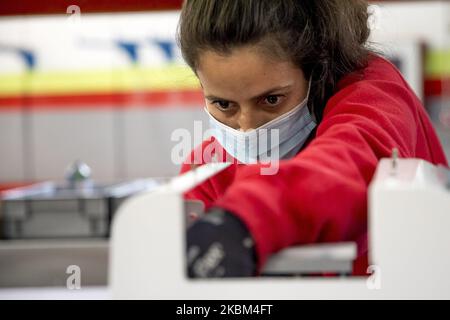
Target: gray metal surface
51, 210
44, 263
314, 258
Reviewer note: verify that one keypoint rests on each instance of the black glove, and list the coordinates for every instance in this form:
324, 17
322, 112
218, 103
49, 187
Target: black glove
219, 245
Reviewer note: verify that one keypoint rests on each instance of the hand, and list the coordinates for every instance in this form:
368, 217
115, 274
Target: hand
219, 245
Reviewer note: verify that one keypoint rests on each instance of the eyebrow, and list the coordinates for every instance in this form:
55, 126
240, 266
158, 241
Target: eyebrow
265, 93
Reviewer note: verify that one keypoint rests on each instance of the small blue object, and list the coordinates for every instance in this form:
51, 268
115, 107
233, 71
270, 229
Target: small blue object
130, 49
167, 47
28, 57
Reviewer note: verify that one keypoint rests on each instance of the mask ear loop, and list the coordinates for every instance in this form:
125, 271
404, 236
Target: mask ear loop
311, 109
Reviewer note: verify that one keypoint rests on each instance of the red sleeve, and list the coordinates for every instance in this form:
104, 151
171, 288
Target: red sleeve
321, 194
211, 189
204, 191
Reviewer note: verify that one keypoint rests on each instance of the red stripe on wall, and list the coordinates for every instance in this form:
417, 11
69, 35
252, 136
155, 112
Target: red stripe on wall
30, 7
437, 87
185, 98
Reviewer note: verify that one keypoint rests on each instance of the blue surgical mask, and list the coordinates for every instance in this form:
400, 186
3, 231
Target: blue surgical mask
280, 138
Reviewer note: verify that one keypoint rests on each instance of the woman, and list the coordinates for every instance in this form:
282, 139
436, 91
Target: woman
304, 68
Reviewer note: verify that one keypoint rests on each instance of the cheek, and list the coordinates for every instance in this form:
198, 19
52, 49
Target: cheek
220, 116
213, 111
209, 107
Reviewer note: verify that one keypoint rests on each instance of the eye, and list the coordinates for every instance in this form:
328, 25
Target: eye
273, 100
222, 105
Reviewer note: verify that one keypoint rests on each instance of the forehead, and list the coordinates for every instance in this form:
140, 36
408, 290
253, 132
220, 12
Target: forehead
244, 72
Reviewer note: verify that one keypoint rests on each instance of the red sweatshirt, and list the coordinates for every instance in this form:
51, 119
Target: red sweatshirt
320, 195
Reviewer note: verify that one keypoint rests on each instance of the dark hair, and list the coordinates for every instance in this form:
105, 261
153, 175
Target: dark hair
325, 38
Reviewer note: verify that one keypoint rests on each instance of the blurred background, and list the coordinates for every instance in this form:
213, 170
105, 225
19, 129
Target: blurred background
104, 82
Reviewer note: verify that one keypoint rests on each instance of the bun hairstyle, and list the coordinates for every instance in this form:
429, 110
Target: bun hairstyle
325, 38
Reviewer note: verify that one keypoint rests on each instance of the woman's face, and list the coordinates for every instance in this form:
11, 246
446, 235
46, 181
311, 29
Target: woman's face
247, 88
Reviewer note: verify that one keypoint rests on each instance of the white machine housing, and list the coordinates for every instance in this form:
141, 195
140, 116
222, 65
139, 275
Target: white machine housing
409, 244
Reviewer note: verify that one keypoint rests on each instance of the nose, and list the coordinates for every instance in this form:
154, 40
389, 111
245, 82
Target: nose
247, 119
